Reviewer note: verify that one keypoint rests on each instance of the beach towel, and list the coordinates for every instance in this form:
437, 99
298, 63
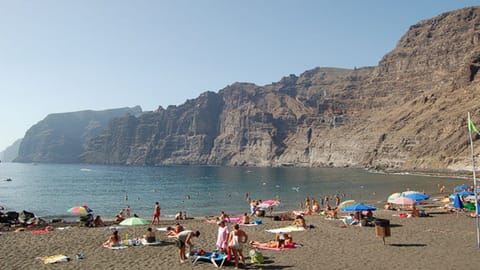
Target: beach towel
287, 229
267, 247
211, 221
114, 228
54, 259
249, 224
63, 228
145, 243
288, 246
40, 231
235, 219
118, 247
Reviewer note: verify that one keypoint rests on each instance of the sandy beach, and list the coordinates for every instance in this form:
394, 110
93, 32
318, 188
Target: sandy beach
442, 241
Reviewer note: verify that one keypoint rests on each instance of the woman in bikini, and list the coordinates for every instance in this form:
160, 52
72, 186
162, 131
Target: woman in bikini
113, 240
236, 240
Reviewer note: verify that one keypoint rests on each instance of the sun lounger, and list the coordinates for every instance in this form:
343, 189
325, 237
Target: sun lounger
216, 259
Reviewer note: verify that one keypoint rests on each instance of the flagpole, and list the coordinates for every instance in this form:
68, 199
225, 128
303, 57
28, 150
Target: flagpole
474, 181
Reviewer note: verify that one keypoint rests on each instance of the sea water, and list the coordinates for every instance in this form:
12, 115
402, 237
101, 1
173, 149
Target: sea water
49, 190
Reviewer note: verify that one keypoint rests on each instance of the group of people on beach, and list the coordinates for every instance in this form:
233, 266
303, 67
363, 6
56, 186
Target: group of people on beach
123, 214
232, 241
311, 206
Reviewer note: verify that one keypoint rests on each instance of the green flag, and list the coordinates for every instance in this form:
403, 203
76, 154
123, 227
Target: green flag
472, 127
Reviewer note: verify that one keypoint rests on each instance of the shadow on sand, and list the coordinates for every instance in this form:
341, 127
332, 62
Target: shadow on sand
408, 245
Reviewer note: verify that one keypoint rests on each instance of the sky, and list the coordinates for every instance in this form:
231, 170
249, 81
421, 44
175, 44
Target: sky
64, 56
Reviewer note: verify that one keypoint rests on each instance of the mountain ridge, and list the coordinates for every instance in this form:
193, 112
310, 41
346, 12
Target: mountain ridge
406, 113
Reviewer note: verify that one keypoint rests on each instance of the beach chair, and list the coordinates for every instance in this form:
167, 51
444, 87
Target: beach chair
217, 259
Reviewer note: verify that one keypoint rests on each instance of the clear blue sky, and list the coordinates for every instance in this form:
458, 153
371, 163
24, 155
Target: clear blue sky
63, 56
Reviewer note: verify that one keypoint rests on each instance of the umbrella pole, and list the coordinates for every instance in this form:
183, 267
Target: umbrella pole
470, 124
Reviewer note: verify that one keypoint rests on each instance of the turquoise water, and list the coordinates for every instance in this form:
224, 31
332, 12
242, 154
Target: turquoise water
49, 190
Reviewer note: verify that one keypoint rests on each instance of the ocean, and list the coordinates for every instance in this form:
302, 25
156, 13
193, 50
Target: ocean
49, 190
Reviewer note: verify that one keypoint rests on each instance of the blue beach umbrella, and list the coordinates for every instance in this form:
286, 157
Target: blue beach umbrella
461, 188
461, 194
457, 203
358, 207
417, 197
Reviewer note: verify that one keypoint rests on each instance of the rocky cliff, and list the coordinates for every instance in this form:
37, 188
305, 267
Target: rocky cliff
406, 113
10, 153
61, 137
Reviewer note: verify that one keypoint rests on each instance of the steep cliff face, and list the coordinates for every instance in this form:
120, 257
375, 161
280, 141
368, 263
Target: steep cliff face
407, 113
176, 135
61, 137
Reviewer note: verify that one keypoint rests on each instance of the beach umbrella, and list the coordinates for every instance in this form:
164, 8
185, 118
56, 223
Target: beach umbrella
80, 210
461, 188
358, 207
346, 203
461, 194
394, 196
417, 197
410, 192
268, 203
403, 201
457, 203
465, 193
132, 221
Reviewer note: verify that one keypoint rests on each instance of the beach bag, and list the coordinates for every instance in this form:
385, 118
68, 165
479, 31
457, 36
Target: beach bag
256, 256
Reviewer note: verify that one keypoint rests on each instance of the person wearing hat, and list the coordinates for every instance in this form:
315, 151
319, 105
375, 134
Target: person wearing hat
222, 238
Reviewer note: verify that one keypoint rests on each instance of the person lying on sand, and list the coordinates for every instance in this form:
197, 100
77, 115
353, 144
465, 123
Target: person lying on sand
174, 231
286, 217
225, 217
281, 240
